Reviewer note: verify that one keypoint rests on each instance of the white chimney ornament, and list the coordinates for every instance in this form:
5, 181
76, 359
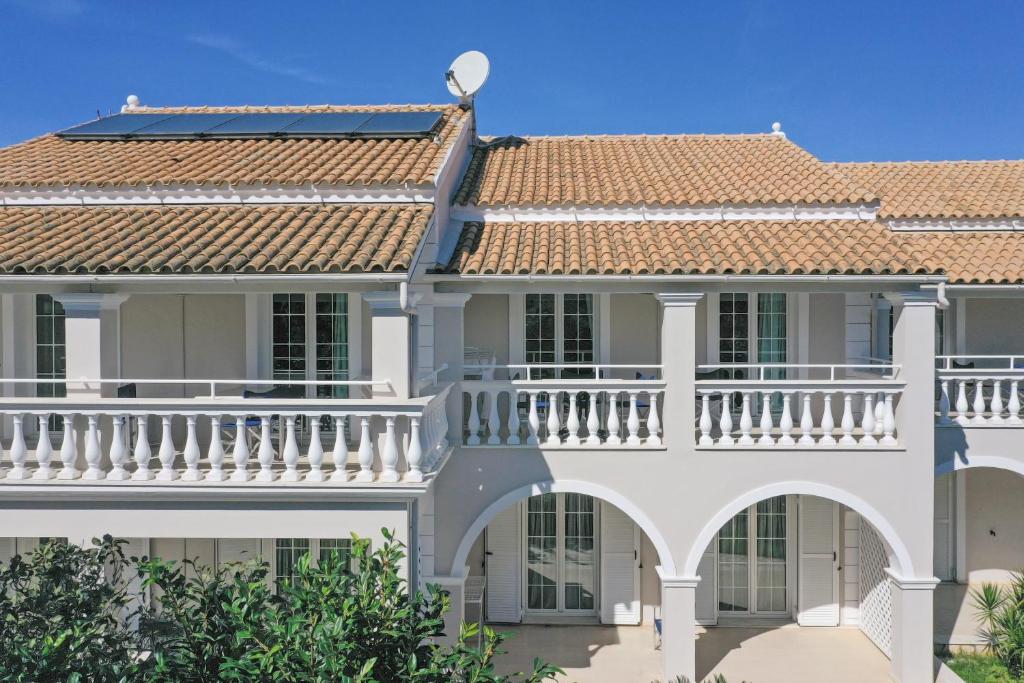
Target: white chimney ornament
777, 129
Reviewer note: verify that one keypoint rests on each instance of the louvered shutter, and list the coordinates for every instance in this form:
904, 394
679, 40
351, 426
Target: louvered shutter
620, 567
818, 604
503, 566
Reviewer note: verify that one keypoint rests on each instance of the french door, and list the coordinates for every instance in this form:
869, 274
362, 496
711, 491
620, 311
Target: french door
754, 560
561, 555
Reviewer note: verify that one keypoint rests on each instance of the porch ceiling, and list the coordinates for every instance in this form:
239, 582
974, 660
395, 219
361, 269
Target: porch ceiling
354, 238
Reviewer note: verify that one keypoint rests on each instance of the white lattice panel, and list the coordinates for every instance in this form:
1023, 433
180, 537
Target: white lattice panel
875, 589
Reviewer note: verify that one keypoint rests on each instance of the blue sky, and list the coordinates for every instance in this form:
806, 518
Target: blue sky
860, 80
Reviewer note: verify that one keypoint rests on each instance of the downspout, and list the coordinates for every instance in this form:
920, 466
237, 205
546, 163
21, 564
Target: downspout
940, 296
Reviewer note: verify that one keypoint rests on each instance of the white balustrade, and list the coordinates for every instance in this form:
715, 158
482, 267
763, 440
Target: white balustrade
983, 398
868, 412
398, 441
579, 413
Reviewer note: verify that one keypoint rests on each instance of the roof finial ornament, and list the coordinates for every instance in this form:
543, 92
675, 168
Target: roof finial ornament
132, 103
777, 129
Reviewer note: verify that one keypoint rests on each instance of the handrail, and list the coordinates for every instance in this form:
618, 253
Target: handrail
212, 383
947, 362
595, 367
570, 384
832, 367
430, 378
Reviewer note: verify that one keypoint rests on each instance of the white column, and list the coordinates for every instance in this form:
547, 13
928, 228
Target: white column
678, 618
912, 643
679, 364
83, 316
390, 344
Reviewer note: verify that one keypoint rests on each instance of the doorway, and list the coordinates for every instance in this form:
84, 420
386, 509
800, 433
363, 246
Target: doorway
561, 560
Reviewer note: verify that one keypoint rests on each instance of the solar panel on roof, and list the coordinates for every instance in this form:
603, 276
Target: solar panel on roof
400, 123
256, 124
184, 125
327, 124
114, 126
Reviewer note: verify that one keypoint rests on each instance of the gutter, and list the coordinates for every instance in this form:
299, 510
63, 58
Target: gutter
195, 278
921, 279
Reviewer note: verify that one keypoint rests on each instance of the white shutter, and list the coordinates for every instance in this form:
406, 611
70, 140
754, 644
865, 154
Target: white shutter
7, 550
620, 567
503, 565
707, 588
943, 562
818, 603
237, 550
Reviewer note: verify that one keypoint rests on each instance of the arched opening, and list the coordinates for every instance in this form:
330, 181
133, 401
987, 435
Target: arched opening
793, 568
570, 568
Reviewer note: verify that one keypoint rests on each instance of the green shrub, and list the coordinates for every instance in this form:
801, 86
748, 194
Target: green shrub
1001, 613
980, 669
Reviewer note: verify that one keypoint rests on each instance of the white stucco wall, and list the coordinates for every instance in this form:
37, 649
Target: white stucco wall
994, 524
486, 324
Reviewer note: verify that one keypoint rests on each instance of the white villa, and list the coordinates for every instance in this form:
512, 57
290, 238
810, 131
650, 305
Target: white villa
683, 383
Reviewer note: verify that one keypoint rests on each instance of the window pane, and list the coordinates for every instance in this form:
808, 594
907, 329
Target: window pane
288, 320
332, 346
287, 553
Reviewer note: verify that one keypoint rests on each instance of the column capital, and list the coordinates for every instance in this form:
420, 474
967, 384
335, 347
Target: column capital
914, 298
449, 299
88, 304
925, 583
389, 301
679, 298
669, 581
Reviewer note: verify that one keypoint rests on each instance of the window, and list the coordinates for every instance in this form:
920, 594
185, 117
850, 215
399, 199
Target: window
288, 551
737, 336
51, 352
753, 556
310, 340
559, 329
340, 548
561, 553
542, 552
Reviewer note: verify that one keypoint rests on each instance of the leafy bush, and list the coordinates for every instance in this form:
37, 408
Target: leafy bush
980, 669
61, 621
1001, 612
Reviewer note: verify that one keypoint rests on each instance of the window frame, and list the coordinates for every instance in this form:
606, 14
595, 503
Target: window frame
600, 313
353, 317
315, 550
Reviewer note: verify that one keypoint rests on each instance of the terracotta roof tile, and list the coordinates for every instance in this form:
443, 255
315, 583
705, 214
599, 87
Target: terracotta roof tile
943, 189
53, 161
652, 170
211, 239
681, 248
970, 257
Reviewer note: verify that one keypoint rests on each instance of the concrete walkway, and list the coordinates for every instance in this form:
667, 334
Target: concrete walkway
625, 654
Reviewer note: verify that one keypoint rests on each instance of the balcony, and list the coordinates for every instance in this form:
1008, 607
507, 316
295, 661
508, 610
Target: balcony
979, 391
225, 438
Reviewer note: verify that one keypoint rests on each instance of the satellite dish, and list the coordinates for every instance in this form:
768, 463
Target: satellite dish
467, 74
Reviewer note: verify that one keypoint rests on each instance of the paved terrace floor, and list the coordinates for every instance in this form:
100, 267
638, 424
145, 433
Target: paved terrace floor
606, 654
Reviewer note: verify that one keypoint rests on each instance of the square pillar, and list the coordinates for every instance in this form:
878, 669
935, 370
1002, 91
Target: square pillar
84, 316
450, 350
912, 640
453, 618
678, 621
913, 349
390, 345
679, 364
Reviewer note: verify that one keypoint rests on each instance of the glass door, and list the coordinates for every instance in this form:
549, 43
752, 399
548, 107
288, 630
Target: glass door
753, 560
561, 554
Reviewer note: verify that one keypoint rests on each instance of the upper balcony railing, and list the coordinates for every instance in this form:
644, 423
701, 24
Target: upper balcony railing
563, 405
979, 390
782, 405
370, 439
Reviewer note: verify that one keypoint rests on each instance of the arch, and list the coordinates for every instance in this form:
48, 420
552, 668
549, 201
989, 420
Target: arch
995, 461
899, 554
564, 486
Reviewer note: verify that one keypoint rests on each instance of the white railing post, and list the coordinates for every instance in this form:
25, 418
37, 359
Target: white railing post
572, 422
265, 454
290, 452
806, 422
215, 453
315, 451
889, 422
725, 421
554, 422
513, 418
191, 453
1013, 406
766, 424
653, 421
613, 419
533, 420
867, 423
240, 453
827, 422
847, 424
389, 456
961, 402
166, 453
786, 421
746, 422
944, 403
705, 420
414, 456
997, 402
68, 449
143, 453
879, 413
365, 473
593, 421
633, 422
92, 450
118, 452
476, 426
493, 418
19, 450
339, 454
979, 402
44, 450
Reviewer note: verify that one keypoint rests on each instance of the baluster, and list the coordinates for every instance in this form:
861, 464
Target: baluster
389, 456
766, 420
867, 423
19, 450
290, 453
786, 421
414, 456
92, 451
240, 453
554, 419
593, 421
997, 402
513, 418
534, 421
475, 426
339, 456
847, 423
118, 453
888, 422
215, 453
572, 422
879, 413
493, 419
654, 422
166, 452
143, 453
961, 402
979, 402
68, 449
613, 419
633, 422
44, 450
705, 420
746, 422
315, 451
265, 453
828, 423
365, 451
943, 403
1014, 404
725, 420
806, 421
191, 453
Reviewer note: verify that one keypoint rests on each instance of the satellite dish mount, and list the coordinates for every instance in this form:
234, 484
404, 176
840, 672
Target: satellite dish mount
467, 75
